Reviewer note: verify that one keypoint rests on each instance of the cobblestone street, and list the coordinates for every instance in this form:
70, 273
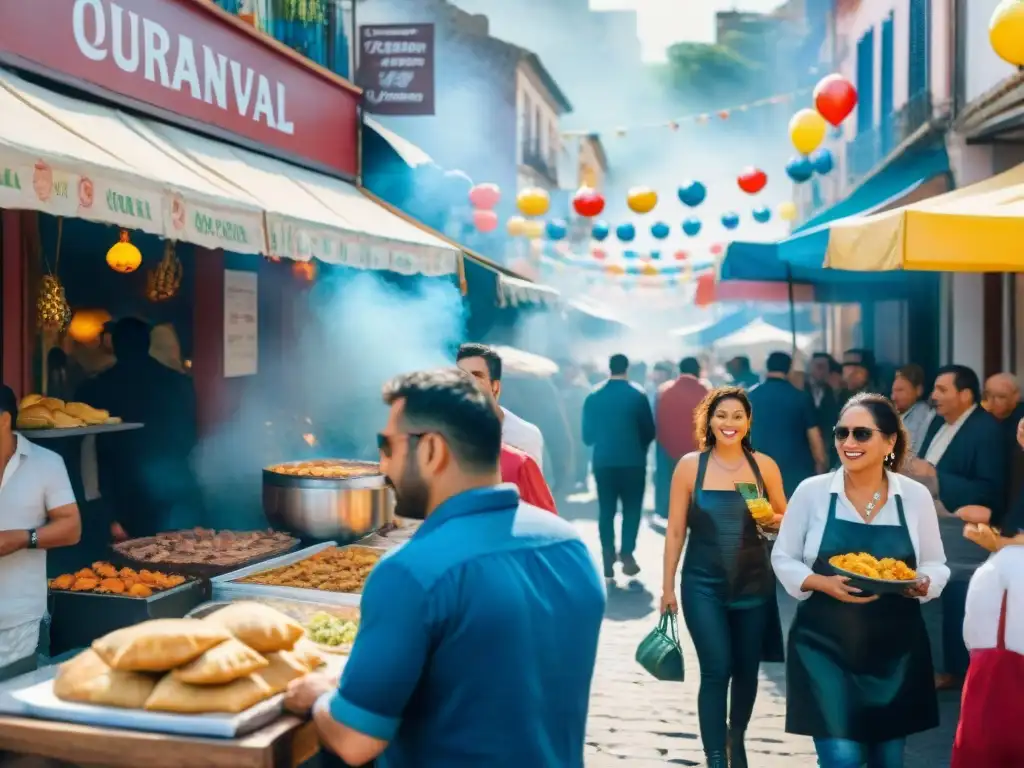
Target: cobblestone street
637, 721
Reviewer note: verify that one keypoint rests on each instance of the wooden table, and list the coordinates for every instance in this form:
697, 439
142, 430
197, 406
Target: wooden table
286, 743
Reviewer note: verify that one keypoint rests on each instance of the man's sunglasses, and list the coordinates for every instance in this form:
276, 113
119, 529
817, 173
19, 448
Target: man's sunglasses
860, 434
384, 442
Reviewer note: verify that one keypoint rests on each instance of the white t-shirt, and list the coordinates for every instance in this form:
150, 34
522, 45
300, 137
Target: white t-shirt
523, 435
1003, 572
803, 525
34, 482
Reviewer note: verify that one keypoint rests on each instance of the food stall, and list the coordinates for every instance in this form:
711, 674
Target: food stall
313, 593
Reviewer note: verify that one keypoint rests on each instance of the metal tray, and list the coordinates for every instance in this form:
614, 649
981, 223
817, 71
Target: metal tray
98, 429
38, 700
228, 588
200, 570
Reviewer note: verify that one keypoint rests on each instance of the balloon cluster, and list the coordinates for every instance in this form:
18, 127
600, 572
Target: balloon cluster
484, 198
834, 100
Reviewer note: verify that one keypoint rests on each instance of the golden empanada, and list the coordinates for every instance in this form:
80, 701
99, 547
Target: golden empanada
308, 654
259, 626
87, 679
172, 695
221, 664
158, 645
284, 667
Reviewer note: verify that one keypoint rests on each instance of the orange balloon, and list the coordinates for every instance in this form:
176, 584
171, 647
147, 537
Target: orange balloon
641, 199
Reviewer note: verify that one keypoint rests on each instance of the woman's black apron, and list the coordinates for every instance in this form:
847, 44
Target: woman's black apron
726, 554
860, 671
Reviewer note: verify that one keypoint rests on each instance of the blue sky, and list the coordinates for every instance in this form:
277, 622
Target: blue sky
663, 22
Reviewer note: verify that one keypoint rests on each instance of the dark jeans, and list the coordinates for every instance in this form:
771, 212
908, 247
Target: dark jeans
728, 643
843, 753
614, 484
954, 606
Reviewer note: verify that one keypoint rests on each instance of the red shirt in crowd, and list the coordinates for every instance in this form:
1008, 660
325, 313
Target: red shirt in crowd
518, 467
674, 414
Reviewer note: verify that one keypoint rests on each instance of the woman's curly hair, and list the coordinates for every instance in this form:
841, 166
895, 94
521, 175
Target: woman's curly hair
702, 414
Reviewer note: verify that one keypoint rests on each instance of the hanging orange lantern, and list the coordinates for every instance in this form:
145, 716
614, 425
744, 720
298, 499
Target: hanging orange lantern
124, 257
305, 270
87, 325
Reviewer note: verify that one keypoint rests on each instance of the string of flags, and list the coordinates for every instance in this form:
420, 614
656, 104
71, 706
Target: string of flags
697, 118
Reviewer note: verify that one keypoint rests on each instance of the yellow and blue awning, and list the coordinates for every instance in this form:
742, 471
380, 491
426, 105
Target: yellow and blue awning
801, 256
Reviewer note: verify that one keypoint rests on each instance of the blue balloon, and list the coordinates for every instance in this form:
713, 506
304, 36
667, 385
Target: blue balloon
730, 220
822, 162
625, 232
600, 231
555, 229
692, 193
660, 230
799, 169
691, 227
762, 215
655, 255
629, 254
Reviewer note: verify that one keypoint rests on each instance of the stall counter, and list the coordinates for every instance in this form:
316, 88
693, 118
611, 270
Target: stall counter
286, 743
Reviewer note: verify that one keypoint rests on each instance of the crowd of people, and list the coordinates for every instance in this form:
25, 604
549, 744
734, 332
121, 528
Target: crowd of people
496, 593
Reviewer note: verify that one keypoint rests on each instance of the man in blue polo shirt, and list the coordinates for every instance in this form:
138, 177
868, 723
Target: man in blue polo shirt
478, 637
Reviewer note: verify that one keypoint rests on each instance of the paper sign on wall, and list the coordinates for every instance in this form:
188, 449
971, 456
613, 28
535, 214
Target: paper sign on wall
241, 323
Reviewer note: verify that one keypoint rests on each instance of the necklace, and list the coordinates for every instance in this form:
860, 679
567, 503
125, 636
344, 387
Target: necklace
869, 508
725, 466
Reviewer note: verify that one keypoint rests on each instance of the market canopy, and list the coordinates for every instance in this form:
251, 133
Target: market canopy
978, 228
68, 157
760, 334
409, 153
311, 215
708, 333
801, 256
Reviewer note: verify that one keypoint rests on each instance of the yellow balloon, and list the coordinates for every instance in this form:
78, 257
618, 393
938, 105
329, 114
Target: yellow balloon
807, 130
533, 201
1006, 32
787, 211
533, 229
642, 199
516, 226
615, 269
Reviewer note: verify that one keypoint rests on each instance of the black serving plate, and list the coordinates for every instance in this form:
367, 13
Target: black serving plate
870, 586
78, 618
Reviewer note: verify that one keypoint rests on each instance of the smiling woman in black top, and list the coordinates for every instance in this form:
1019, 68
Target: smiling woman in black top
728, 588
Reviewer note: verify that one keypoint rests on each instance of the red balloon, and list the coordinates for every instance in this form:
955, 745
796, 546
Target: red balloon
716, 249
485, 221
484, 197
834, 98
682, 255
588, 202
752, 180
599, 254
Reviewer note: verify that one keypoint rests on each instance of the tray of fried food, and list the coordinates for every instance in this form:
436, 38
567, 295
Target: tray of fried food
337, 569
873, 575
328, 469
106, 579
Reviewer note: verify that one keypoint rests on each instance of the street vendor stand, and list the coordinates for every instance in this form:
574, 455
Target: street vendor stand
288, 741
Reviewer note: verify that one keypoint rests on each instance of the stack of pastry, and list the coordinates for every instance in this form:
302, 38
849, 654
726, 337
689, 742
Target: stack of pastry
39, 412
226, 663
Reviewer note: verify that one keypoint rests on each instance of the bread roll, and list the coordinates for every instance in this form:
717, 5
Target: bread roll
158, 645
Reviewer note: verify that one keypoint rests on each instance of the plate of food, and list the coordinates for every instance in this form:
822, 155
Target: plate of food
875, 576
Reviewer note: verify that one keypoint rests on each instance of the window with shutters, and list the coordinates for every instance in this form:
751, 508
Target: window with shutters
887, 118
919, 48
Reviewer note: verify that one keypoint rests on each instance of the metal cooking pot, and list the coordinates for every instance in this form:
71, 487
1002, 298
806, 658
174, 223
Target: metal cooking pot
325, 507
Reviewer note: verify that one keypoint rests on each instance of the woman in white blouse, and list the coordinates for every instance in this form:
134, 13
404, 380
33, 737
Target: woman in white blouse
859, 676
992, 710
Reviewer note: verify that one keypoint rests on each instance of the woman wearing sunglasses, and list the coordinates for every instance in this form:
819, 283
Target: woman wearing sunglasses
728, 588
859, 675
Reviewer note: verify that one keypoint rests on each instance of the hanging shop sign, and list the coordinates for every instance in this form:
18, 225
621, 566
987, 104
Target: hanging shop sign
192, 63
41, 185
396, 68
